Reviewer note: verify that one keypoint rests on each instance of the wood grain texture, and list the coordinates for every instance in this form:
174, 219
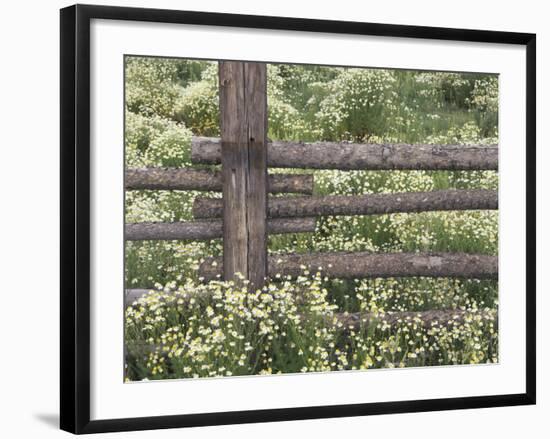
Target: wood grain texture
361, 156
357, 265
243, 112
371, 204
204, 230
256, 107
208, 180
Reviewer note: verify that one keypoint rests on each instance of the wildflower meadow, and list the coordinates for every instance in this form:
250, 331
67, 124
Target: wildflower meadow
186, 327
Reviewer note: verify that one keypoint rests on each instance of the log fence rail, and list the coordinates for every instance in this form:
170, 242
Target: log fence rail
245, 214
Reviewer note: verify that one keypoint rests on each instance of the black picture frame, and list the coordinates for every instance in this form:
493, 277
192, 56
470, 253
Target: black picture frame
75, 217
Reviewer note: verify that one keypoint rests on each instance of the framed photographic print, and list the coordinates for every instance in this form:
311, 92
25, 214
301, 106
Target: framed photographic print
261, 214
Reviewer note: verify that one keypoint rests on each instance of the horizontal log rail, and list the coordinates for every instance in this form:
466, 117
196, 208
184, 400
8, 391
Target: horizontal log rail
207, 180
359, 265
203, 230
358, 156
356, 321
371, 204
446, 318
425, 319
133, 294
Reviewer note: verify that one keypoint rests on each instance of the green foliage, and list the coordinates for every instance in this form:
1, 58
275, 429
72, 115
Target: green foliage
484, 102
294, 95
155, 141
358, 106
151, 86
304, 86
218, 329
198, 106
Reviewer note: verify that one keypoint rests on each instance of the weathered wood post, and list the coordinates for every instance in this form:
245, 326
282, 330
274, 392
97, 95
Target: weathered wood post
243, 111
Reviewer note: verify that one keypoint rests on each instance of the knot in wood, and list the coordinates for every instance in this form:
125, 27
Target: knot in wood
386, 151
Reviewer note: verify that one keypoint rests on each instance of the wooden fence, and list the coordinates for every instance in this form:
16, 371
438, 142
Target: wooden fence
245, 214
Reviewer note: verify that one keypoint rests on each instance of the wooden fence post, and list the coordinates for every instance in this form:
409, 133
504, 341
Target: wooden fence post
243, 111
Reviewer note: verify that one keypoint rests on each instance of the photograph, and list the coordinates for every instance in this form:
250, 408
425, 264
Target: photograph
295, 218
275, 219
271, 218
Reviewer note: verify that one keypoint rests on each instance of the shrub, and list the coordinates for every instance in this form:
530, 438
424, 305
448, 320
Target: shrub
155, 141
484, 103
151, 88
359, 105
198, 104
